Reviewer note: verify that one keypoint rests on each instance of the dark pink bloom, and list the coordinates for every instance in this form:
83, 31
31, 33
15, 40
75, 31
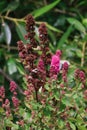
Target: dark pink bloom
7, 101
13, 86
77, 72
41, 65
15, 101
2, 91
6, 106
58, 53
21, 55
21, 123
81, 75
65, 66
63, 92
43, 33
85, 92
64, 71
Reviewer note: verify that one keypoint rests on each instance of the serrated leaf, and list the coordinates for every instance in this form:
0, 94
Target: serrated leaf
7, 33
44, 9
20, 28
77, 24
65, 36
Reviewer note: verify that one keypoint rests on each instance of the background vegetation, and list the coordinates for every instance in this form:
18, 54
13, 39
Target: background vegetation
66, 21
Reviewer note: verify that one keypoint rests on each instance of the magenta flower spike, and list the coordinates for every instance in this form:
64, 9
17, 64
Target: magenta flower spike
55, 64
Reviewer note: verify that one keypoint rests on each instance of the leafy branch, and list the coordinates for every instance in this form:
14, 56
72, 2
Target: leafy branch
10, 79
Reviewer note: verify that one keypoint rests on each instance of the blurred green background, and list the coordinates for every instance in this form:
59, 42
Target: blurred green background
66, 21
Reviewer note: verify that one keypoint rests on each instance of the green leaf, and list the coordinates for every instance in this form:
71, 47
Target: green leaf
47, 87
85, 38
85, 22
81, 127
2, 5
52, 37
12, 6
62, 107
20, 68
53, 28
61, 123
65, 36
79, 53
2, 37
7, 33
77, 24
47, 111
44, 9
20, 28
52, 47
66, 101
1, 110
11, 124
26, 115
72, 126
82, 3
11, 66
56, 94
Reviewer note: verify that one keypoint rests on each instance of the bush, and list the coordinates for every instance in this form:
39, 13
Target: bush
55, 92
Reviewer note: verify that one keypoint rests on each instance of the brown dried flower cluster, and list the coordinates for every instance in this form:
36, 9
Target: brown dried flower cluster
34, 63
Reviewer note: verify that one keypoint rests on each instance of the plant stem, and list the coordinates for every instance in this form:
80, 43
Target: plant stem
12, 19
65, 12
10, 79
36, 95
11, 47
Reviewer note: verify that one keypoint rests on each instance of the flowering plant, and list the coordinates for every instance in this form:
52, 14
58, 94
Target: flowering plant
55, 95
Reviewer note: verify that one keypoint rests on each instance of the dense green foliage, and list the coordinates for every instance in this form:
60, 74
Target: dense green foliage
66, 22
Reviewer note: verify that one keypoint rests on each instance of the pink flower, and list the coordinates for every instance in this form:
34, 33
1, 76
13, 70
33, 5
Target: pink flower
58, 53
41, 65
2, 92
15, 101
13, 86
65, 66
7, 102
55, 62
81, 75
